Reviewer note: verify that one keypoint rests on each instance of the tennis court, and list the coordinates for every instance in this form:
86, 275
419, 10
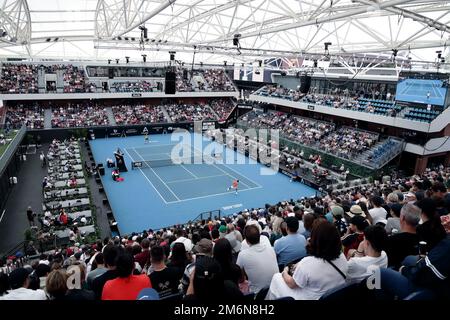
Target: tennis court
417, 90
183, 182
161, 194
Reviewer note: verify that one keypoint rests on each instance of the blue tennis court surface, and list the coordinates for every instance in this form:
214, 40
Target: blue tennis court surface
159, 195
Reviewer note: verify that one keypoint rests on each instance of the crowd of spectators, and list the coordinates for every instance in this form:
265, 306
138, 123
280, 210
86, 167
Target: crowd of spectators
341, 100
75, 80
137, 86
30, 115
299, 129
298, 248
79, 115
217, 80
18, 78
24, 78
189, 112
345, 142
138, 114
348, 142
222, 107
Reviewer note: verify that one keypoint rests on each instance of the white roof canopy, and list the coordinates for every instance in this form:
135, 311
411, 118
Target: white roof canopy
90, 29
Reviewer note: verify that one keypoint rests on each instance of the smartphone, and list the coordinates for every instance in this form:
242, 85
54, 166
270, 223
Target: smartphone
422, 248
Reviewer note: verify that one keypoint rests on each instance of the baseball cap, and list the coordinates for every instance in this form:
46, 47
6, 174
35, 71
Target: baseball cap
204, 246
337, 211
223, 229
148, 294
17, 277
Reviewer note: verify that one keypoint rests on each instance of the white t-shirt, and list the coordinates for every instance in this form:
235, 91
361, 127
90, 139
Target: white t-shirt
260, 264
313, 276
24, 294
357, 266
378, 215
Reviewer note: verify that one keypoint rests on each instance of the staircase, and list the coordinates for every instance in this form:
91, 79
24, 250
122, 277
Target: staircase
166, 114
48, 118
393, 151
111, 119
213, 111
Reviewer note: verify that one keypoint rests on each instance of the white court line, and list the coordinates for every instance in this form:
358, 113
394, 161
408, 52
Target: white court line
198, 178
229, 175
1, 218
213, 195
188, 171
243, 175
132, 159
158, 176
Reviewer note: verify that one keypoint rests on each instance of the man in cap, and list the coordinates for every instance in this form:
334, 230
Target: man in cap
203, 248
19, 281
355, 233
337, 215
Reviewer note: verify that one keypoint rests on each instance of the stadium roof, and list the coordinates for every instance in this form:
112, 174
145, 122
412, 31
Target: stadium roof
102, 29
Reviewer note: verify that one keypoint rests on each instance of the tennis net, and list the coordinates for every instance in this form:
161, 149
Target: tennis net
166, 162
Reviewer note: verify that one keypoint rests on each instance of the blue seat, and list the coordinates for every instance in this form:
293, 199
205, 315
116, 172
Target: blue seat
345, 292
421, 295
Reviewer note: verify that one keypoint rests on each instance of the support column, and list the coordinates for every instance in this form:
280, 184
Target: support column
447, 159
421, 164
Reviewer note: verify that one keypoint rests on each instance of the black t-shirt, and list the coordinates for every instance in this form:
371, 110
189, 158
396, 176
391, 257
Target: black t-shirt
232, 273
401, 245
166, 281
30, 214
432, 236
230, 292
79, 295
99, 282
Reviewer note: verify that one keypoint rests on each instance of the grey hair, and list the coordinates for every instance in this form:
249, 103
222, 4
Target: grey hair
411, 214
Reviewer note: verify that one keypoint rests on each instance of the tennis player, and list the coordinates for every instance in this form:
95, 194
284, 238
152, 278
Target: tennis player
146, 139
234, 186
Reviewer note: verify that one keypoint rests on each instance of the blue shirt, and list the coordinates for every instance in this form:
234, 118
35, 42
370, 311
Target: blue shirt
290, 248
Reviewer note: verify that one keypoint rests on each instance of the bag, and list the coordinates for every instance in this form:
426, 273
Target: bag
337, 269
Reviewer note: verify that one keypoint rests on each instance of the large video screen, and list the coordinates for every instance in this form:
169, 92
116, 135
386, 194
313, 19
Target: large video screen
423, 91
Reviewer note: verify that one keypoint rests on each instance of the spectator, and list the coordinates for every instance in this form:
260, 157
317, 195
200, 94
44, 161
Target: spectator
223, 253
110, 253
369, 253
354, 235
143, 258
405, 243
208, 283
291, 247
127, 285
165, 280
393, 222
98, 270
378, 213
19, 281
259, 262
325, 254
431, 230
428, 274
